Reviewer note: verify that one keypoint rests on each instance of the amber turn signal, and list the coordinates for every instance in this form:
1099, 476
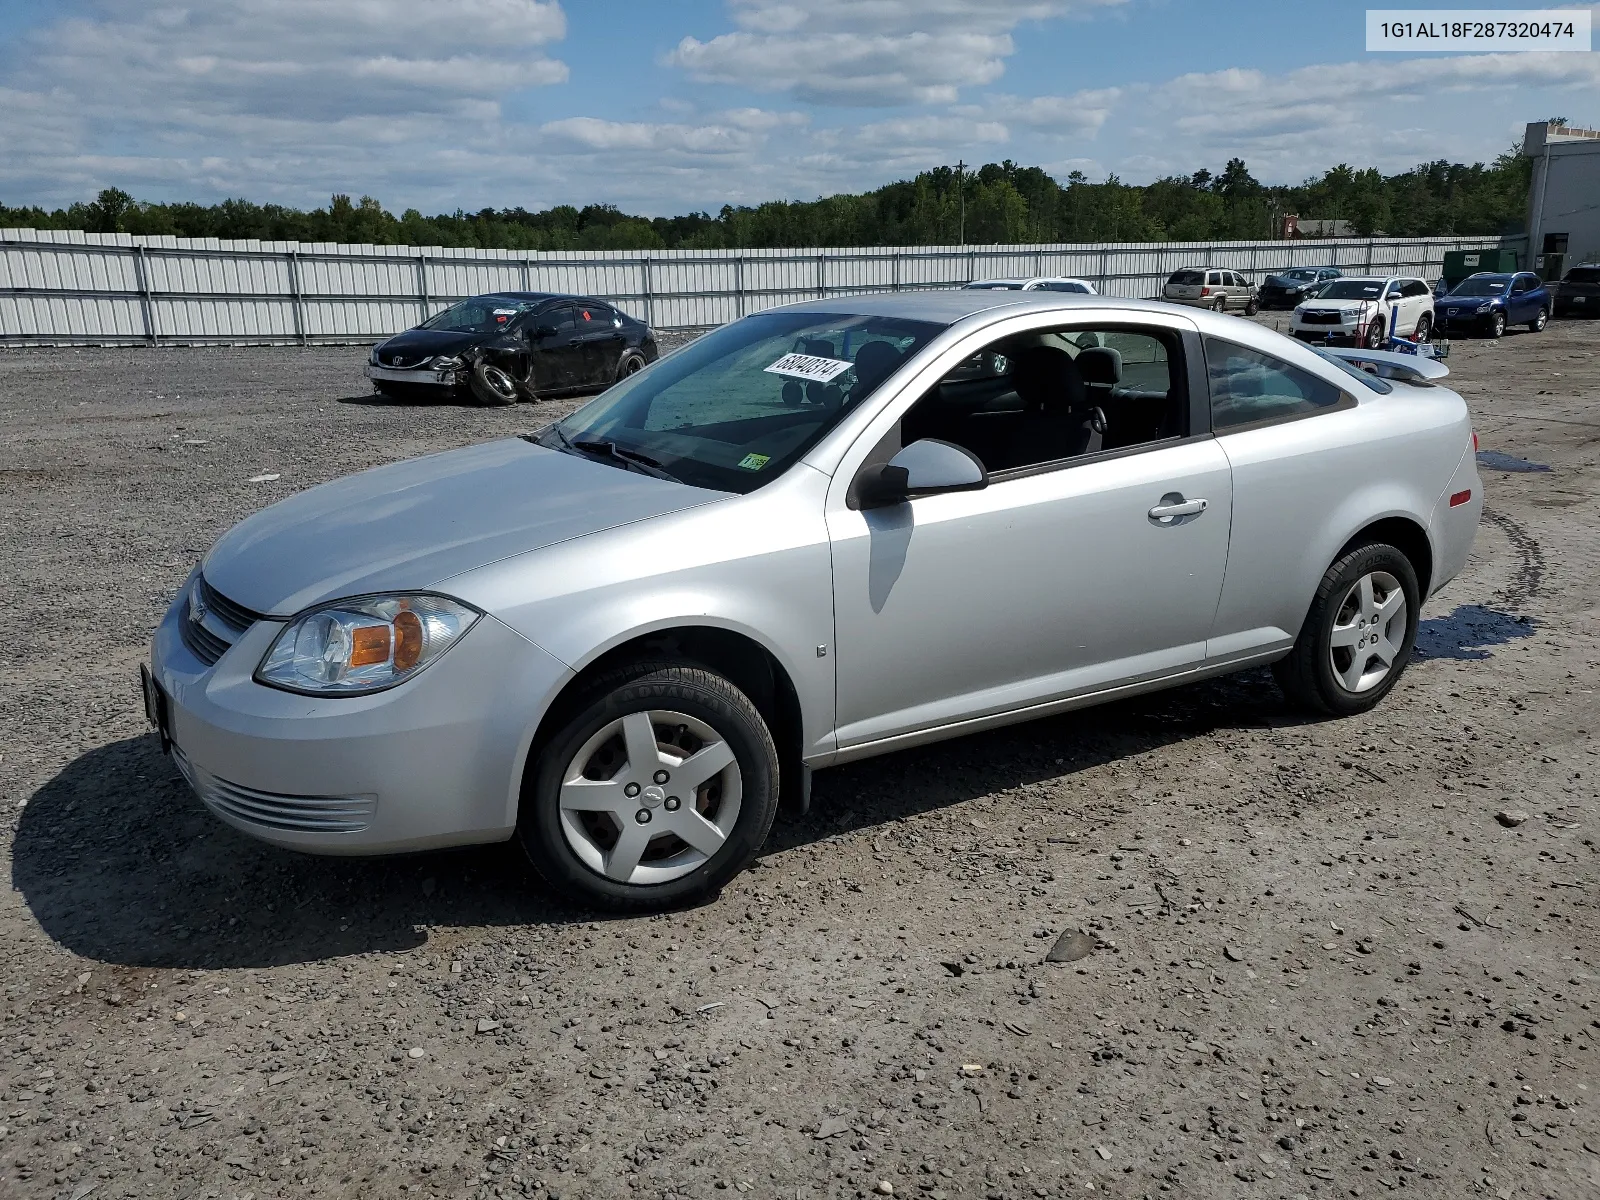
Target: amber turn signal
369, 645
408, 640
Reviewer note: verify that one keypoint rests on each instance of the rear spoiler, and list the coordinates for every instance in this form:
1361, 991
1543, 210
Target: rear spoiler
1387, 364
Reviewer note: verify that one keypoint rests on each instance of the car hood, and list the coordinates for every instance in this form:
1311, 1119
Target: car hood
425, 343
1469, 301
1284, 281
411, 524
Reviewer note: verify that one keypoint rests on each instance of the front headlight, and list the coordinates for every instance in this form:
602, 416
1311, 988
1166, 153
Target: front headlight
364, 644
447, 362
373, 357
1484, 307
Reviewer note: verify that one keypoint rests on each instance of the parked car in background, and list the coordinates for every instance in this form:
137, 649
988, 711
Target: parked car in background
1288, 288
1360, 309
1216, 288
510, 346
1042, 283
813, 535
1486, 303
1579, 293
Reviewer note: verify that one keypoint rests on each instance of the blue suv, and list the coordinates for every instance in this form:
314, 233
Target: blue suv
1487, 302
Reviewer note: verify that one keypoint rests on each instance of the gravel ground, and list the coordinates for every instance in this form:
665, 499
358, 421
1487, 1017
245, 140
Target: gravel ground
1321, 966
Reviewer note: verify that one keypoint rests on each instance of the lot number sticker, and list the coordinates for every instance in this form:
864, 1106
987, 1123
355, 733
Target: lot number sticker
810, 366
754, 462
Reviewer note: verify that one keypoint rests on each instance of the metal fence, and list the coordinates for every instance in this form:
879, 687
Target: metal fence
70, 288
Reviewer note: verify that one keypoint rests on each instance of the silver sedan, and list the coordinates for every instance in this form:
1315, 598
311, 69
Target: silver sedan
822, 532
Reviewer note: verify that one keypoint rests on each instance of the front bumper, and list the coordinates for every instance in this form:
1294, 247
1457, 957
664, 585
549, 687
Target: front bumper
436, 761
1442, 320
412, 375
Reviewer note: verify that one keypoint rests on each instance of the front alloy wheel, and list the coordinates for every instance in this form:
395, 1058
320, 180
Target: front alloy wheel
1497, 324
1375, 336
658, 787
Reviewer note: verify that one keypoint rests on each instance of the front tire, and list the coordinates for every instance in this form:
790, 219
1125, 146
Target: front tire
654, 793
1358, 636
491, 386
1497, 325
1539, 322
1252, 307
1375, 338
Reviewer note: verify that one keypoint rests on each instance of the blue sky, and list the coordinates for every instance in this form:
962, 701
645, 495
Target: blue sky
664, 107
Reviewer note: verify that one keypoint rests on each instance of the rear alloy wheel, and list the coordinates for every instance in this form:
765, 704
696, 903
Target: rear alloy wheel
1220, 304
1539, 322
492, 386
1375, 338
655, 794
631, 364
1358, 636
1424, 329
1497, 325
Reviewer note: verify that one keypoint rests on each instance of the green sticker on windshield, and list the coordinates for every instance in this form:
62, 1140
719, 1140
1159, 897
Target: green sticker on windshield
754, 462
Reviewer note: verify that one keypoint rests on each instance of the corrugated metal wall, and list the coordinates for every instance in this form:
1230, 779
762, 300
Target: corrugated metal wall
101, 289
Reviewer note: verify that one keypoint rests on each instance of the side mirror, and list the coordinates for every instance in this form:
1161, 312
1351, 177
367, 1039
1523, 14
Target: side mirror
924, 468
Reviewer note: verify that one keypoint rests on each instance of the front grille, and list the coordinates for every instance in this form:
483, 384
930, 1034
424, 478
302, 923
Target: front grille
402, 361
1319, 318
202, 643
235, 616
298, 814
221, 622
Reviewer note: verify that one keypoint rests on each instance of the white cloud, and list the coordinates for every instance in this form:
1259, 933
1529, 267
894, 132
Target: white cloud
1080, 113
866, 52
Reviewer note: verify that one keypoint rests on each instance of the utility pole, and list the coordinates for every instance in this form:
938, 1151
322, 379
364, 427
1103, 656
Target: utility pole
961, 193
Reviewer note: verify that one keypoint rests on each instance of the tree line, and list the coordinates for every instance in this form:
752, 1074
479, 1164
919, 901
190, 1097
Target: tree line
999, 203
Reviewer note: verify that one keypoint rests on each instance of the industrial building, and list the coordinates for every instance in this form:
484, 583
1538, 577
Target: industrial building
1564, 197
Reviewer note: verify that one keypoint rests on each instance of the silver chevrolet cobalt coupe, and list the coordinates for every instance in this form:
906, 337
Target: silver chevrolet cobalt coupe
822, 532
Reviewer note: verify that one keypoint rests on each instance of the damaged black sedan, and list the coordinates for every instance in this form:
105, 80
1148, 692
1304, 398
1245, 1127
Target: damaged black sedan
510, 346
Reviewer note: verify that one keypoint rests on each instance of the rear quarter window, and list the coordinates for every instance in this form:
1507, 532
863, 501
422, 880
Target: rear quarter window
1249, 388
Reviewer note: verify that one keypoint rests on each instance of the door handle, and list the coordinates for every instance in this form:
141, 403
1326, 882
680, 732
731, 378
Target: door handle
1173, 506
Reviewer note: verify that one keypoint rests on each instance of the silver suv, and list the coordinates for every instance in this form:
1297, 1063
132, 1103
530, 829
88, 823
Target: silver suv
1216, 288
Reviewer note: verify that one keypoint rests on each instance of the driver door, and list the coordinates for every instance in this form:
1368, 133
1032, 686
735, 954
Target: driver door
1055, 580
557, 353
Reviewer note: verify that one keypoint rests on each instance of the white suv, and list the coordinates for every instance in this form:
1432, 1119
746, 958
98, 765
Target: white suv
1365, 310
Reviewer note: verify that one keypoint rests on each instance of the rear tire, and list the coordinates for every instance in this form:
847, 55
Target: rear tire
1220, 304
574, 841
1424, 330
492, 386
632, 363
1539, 322
1358, 636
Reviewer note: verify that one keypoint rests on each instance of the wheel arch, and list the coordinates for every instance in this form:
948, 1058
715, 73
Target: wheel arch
1407, 535
754, 668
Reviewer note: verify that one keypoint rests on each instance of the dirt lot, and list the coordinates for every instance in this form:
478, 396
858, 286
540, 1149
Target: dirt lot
1323, 968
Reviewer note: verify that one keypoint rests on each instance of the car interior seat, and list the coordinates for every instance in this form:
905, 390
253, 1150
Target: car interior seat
875, 362
1058, 419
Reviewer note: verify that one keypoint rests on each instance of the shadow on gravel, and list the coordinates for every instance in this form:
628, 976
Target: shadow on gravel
120, 863
383, 400
1468, 632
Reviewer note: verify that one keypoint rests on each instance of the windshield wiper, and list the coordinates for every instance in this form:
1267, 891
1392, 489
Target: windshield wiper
631, 459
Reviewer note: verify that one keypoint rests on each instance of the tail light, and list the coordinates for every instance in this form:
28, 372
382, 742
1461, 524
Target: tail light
1205, 291
1474, 441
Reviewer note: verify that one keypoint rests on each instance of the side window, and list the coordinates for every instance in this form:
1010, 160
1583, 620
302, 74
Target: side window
563, 318
1214, 278
1251, 388
1236, 279
1415, 287
1052, 396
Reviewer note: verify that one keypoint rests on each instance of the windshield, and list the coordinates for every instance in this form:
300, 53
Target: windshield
1300, 274
1349, 368
1583, 275
1483, 285
997, 285
736, 408
482, 314
1352, 289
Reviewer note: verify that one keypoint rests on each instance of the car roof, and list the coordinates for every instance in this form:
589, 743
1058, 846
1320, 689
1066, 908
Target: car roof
536, 297
949, 305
